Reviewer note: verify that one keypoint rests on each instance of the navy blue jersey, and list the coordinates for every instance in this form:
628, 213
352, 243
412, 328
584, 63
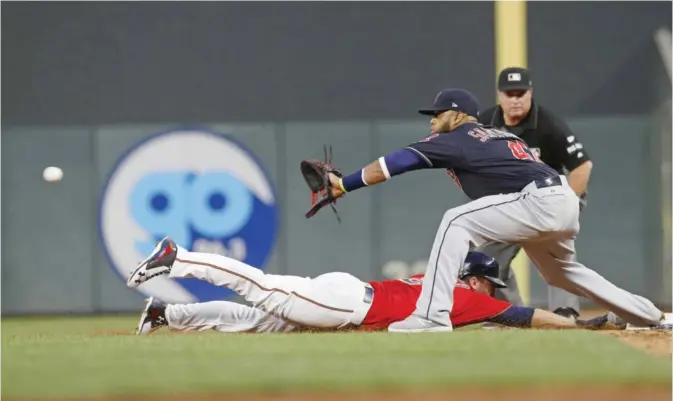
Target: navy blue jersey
483, 160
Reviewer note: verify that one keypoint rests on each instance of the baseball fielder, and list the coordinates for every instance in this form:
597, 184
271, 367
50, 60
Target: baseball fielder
515, 199
332, 301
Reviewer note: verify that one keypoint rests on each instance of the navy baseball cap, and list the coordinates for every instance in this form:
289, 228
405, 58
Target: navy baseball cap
453, 99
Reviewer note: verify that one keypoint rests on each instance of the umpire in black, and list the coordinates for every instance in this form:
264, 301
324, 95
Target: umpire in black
555, 144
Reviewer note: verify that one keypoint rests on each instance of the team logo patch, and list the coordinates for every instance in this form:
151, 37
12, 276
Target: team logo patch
205, 190
514, 76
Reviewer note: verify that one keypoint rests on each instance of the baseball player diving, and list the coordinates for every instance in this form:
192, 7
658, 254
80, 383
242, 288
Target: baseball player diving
515, 198
332, 301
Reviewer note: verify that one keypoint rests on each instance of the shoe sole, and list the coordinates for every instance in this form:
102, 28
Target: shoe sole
131, 280
143, 316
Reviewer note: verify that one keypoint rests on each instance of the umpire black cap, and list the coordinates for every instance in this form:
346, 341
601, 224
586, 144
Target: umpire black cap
514, 79
453, 99
481, 265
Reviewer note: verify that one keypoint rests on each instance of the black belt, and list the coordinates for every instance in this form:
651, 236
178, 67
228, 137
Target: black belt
369, 295
549, 182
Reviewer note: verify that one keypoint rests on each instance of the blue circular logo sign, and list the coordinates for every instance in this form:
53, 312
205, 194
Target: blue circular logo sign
204, 190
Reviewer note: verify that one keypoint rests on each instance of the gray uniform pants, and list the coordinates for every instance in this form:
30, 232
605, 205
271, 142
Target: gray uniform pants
545, 222
504, 253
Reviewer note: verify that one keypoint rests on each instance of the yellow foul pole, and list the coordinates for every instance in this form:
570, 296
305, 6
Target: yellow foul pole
511, 51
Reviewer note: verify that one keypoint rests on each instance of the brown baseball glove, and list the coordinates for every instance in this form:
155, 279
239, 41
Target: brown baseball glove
316, 174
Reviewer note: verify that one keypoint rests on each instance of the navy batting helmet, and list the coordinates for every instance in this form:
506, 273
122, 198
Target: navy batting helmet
481, 265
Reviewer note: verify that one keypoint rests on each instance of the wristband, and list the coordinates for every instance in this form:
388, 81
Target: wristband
353, 181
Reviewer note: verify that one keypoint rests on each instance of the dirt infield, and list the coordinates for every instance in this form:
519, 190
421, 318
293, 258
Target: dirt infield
654, 342
657, 343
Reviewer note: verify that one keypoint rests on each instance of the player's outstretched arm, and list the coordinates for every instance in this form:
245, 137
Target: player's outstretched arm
543, 319
382, 169
531, 318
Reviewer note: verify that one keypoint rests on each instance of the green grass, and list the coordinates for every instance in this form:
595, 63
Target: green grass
72, 357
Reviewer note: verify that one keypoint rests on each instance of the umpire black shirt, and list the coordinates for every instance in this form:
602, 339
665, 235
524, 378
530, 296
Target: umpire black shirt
545, 134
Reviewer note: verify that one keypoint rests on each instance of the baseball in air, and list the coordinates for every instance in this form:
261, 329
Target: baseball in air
52, 174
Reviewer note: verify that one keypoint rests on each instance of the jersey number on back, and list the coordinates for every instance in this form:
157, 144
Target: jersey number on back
521, 151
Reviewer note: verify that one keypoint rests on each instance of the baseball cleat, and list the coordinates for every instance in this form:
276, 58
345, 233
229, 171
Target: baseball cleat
415, 324
158, 263
666, 323
153, 317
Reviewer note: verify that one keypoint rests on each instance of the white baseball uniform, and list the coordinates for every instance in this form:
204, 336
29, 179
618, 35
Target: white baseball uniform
331, 300
224, 316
